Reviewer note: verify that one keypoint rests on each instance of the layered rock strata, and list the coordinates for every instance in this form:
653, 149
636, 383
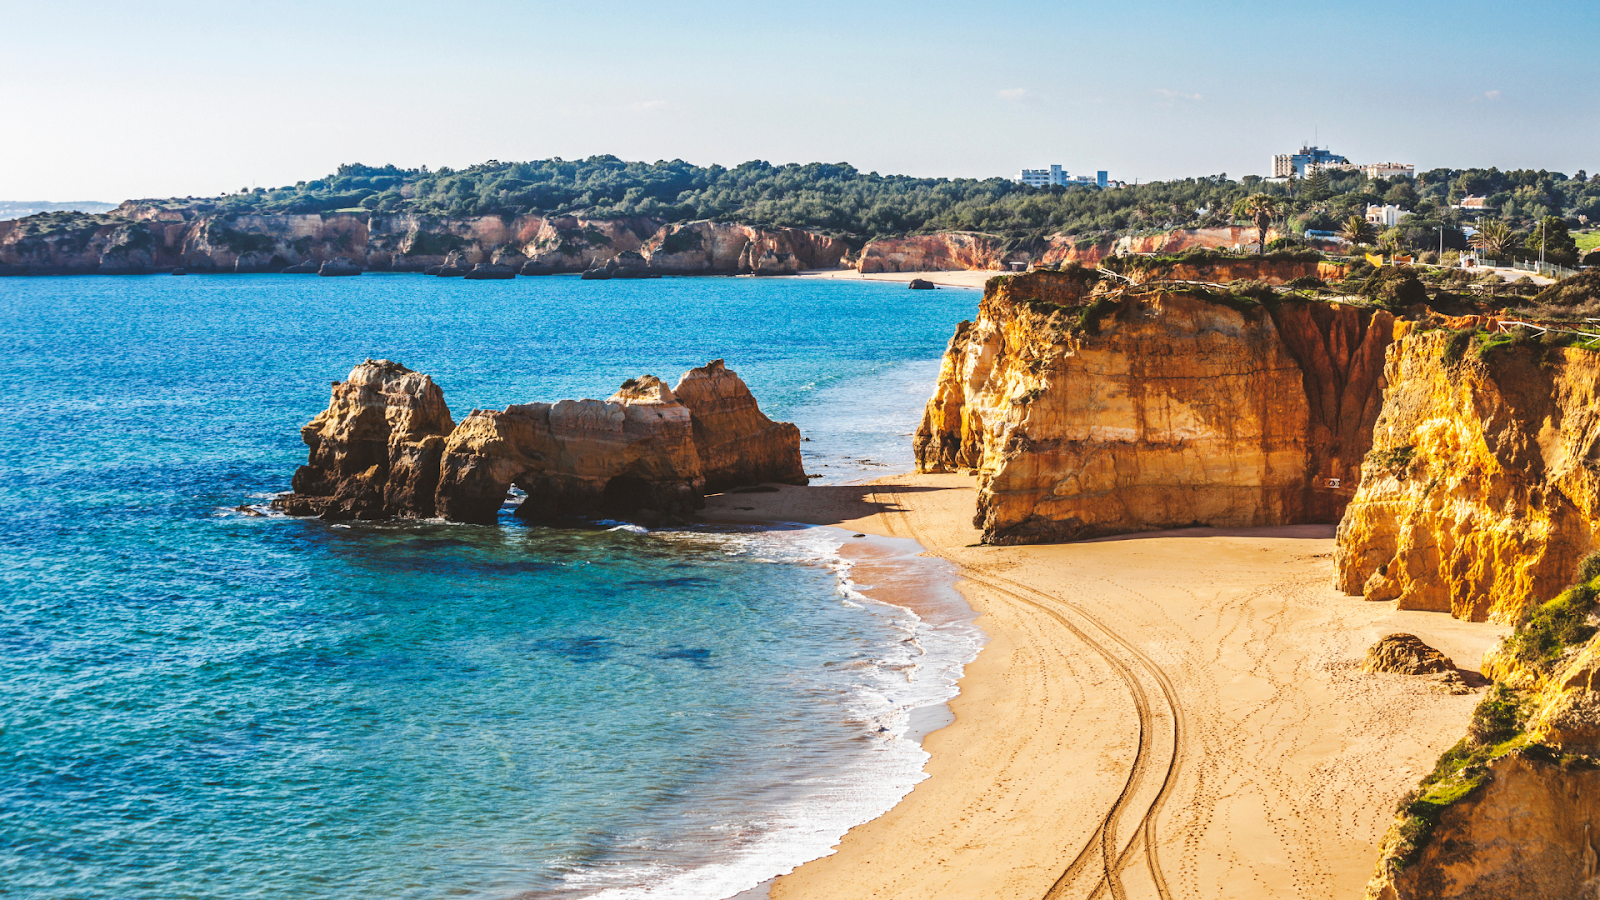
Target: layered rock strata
1481, 490
386, 447
1087, 413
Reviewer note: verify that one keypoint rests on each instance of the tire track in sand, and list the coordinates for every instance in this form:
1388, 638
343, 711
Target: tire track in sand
1146, 765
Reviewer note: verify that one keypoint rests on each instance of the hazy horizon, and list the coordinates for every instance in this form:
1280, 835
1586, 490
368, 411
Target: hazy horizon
178, 98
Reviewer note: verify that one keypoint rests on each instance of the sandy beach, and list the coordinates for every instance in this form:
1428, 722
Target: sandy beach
1178, 714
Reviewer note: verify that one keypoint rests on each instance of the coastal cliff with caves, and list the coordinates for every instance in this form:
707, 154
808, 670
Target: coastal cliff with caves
1454, 443
387, 447
147, 237
141, 238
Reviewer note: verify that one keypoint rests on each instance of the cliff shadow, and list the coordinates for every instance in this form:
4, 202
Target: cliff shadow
830, 504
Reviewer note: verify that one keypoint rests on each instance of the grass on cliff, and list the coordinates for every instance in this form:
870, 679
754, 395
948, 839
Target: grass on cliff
1499, 721
1495, 730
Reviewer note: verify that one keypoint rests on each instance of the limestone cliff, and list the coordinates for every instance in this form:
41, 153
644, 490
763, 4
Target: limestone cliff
942, 252
386, 447
1087, 411
1482, 487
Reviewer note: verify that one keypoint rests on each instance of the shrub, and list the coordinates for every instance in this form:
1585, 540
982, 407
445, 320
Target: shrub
1456, 347
1552, 627
1497, 718
1395, 287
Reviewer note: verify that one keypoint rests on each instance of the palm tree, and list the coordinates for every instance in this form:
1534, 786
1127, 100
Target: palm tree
1260, 209
1357, 230
1493, 238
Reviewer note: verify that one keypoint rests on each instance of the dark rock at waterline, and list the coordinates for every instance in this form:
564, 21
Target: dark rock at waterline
338, 267
921, 284
309, 267
595, 275
490, 272
179, 271
535, 268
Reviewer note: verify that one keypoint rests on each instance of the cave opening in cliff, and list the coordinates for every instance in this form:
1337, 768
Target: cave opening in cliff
626, 494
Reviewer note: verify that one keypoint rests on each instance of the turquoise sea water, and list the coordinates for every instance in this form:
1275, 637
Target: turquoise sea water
196, 703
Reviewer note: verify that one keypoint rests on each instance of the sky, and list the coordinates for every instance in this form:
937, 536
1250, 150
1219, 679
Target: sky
110, 101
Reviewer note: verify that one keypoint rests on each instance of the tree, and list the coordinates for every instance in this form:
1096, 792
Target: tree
1260, 209
1492, 239
1357, 230
1317, 187
1559, 247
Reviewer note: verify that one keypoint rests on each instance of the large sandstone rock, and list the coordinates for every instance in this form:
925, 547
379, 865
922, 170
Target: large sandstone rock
1084, 414
375, 450
386, 447
1481, 490
737, 443
632, 452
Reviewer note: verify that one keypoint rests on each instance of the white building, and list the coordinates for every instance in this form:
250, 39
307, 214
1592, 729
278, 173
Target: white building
1388, 170
1387, 216
1043, 177
1058, 177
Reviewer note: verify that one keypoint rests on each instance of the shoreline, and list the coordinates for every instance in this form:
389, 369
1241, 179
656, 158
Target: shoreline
1188, 700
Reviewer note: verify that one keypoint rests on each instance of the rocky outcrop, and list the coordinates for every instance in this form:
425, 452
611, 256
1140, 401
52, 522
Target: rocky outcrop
375, 450
942, 252
1405, 654
633, 452
386, 447
338, 266
490, 272
1481, 490
1087, 411
737, 443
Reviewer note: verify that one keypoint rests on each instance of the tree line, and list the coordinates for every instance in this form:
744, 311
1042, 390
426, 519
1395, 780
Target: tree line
838, 199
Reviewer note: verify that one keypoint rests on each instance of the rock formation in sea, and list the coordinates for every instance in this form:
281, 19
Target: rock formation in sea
386, 447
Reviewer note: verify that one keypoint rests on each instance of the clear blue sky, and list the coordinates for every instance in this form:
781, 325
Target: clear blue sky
170, 97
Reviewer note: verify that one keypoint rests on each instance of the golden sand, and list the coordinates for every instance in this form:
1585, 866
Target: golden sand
1169, 715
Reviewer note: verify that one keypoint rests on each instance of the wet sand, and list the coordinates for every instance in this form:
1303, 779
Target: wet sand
1178, 714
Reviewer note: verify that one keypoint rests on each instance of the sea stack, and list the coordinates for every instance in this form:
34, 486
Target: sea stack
386, 447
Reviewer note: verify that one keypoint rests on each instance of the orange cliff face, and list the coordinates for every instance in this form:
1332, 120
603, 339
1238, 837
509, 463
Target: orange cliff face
1086, 412
1482, 489
950, 251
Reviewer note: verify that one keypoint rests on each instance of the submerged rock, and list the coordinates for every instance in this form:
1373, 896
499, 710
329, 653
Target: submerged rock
339, 266
489, 272
386, 447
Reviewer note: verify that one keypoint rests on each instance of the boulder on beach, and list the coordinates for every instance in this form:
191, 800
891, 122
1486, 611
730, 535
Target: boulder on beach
921, 284
1406, 654
338, 267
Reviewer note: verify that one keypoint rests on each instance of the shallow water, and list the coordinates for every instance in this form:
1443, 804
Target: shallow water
198, 703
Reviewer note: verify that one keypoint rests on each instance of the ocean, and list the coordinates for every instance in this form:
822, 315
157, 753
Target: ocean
196, 702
